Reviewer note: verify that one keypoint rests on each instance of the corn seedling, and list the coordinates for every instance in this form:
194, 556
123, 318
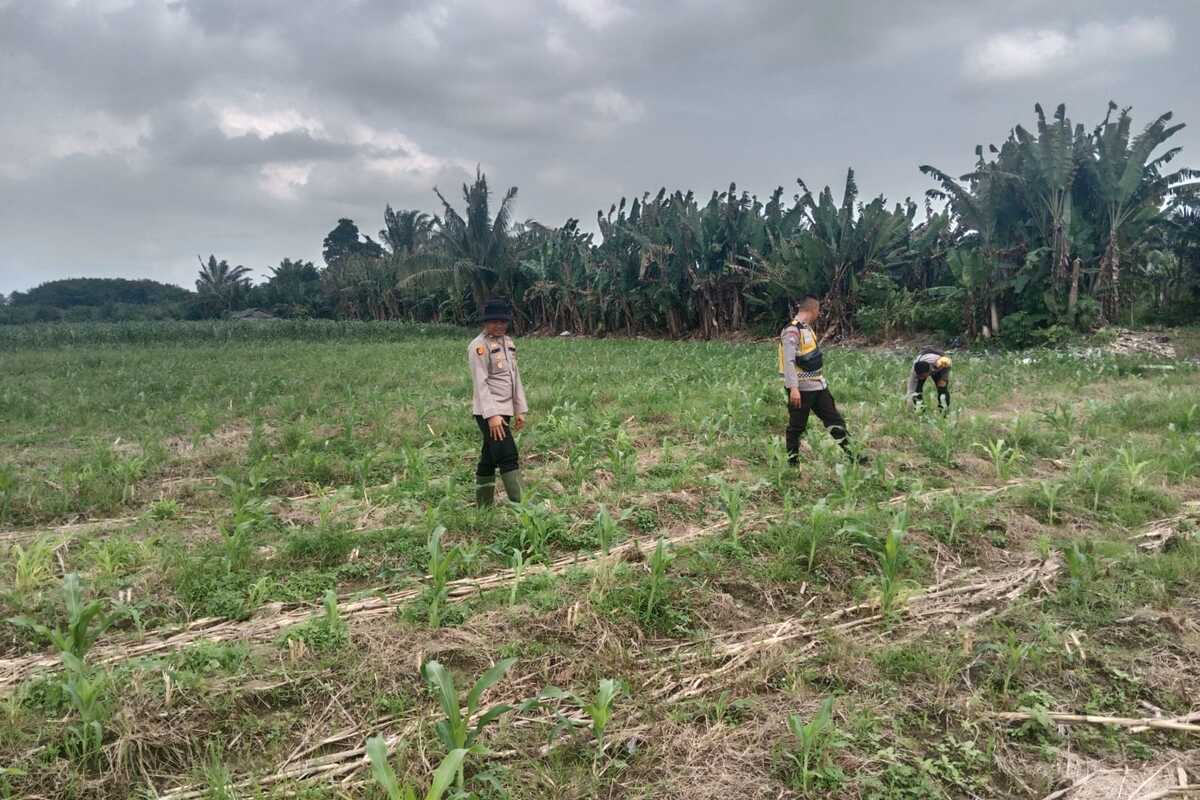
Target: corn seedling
385, 776
32, 568
659, 561
536, 524
164, 509
608, 529
818, 530
850, 480
459, 731
80, 633
1002, 456
1062, 419
1013, 654
891, 563
732, 500
84, 690
325, 633
622, 458
441, 568
813, 739
777, 458
1081, 572
598, 711
1134, 471
959, 513
518, 567
1049, 492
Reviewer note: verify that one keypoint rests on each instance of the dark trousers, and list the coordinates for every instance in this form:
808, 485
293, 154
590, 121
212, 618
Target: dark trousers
494, 454
943, 392
820, 403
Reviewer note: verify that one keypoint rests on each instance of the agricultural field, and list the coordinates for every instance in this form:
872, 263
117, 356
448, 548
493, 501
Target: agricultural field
243, 562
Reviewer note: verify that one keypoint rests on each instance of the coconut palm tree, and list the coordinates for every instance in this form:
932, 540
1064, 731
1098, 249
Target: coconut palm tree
407, 231
220, 286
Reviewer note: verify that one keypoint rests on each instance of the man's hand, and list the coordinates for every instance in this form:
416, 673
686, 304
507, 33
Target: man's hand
496, 426
794, 398
519, 422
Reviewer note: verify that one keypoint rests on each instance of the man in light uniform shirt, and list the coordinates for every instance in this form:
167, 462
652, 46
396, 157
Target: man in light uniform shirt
498, 404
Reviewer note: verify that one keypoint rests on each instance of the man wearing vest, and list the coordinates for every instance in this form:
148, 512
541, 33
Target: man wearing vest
931, 363
800, 363
498, 404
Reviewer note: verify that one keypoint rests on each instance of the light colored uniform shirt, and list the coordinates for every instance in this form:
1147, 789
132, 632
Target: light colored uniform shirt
913, 381
495, 377
798, 339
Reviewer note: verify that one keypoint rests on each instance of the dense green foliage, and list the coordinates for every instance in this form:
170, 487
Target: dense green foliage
1058, 229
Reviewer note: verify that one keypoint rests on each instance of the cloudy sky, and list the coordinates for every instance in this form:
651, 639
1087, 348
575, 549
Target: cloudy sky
137, 134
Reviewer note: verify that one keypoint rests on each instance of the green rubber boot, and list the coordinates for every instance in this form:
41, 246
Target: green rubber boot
485, 491
512, 485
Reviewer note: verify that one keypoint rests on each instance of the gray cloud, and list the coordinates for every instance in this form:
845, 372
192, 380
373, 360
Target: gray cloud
138, 133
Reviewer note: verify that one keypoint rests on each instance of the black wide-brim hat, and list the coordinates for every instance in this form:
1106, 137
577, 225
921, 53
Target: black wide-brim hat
497, 310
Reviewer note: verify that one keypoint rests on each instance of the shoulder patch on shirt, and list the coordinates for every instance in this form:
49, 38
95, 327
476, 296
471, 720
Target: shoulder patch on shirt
479, 350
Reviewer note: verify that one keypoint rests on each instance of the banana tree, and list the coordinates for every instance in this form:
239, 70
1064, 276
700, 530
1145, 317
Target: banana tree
839, 242
977, 200
1129, 179
1049, 162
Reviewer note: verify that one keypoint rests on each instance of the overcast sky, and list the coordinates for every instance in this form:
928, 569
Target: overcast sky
137, 134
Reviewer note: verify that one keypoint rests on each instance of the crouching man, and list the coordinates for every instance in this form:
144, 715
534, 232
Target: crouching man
931, 363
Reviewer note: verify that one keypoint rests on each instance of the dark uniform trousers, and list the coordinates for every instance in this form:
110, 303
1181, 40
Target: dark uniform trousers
820, 403
943, 392
495, 455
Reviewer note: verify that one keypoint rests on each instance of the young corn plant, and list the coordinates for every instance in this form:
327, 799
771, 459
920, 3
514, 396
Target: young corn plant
1134, 471
819, 529
1012, 654
441, 570
536, 525
86, 622
814, 743
659, 561
622, 459
517, 563
1003, 457
1049, 495
891, 563
777, 460
459, 731
1081, 573
850, 481
732, 499
608, 528
326, 633
385, 776
1061, 419
959, 512
598, 711
84, 689
32, 568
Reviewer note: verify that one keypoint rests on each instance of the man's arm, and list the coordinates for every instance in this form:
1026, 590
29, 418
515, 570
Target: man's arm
791, 340
520, 407
912, 393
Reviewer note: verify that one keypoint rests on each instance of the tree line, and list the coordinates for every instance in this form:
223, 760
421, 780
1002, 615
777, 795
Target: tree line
1059, 228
